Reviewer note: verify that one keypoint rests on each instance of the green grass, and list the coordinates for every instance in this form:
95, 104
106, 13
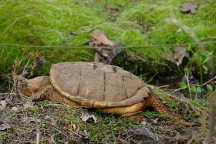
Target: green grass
134, 23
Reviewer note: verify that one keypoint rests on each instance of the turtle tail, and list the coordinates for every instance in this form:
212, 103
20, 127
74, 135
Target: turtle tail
159, 106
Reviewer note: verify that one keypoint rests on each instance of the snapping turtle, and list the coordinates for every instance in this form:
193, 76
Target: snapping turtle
94, 85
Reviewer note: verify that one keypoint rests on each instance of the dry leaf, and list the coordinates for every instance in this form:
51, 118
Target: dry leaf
178, 53
4, 126
86, 117
100, 39
189, 8
15, 108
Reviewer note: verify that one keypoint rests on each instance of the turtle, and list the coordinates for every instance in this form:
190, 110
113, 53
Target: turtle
108, 88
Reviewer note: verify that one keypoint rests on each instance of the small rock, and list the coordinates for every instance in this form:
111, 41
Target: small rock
143, 134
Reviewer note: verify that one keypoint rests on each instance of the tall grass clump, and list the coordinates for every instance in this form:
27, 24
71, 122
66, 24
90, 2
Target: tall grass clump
43, 23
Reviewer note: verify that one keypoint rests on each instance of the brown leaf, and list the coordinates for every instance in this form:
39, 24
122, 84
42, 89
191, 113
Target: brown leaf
100, 39
177, 55
189, 8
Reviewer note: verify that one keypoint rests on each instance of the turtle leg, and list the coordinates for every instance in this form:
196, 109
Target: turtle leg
158, 105
42, 94
131, 113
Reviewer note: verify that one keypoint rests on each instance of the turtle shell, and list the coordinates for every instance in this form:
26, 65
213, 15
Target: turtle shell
97, 85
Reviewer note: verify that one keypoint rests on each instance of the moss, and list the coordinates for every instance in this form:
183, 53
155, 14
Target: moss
66, 25
43, 23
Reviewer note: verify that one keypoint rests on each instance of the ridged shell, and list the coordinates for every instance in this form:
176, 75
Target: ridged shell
97, 85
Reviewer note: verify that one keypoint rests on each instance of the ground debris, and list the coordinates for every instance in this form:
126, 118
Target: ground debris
86, 117
4, 122
3, 104
28, 104
4, 126
28, 120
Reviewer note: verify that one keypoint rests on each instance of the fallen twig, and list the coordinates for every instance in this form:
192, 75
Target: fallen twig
38, 137
207, 82
7, 93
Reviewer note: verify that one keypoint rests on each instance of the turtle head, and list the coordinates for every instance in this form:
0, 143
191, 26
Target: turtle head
30, 86
21, 83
